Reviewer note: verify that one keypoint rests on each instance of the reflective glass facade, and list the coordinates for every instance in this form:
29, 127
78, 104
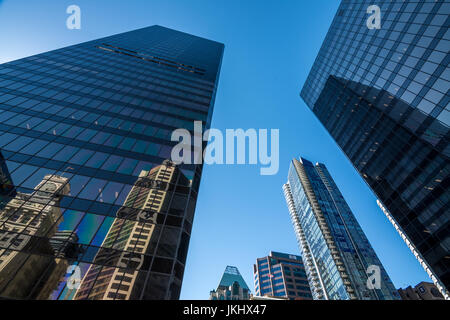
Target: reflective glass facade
281, 275
383, 95
335, 250
91, 207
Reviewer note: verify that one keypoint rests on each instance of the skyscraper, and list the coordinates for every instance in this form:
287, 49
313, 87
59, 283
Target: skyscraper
339, 261
100, 114
26, 223
412, 247
383, 95
6, 185
281, 275
231, 287
134, 235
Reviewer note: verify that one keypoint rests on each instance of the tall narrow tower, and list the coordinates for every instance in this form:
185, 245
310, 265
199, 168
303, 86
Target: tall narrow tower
339, 261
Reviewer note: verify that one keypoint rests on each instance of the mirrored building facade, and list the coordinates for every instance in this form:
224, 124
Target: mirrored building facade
383, 95
88, 194
339, 261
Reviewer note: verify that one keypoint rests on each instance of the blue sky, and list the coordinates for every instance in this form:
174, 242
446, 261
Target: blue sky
270, 47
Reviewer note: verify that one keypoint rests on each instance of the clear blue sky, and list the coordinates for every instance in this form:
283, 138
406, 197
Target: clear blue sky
270, 47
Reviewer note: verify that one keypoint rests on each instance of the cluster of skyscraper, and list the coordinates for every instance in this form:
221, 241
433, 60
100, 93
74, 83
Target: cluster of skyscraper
91, 207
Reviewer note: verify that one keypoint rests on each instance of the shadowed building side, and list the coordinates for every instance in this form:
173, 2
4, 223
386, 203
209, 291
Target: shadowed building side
101, 114
25, 251
383, 95
336, 252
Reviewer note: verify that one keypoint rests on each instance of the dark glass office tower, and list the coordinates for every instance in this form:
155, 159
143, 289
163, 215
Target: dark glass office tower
339, 260
85, 134
383, 95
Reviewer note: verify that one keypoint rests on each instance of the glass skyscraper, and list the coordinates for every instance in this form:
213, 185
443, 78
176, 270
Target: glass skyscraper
91, 206
6, 185
281, 275
383, 95
339, 260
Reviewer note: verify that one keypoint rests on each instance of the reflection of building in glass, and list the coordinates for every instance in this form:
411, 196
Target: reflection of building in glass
383, 95
413, 249
422, 291
231, 287
100, 113
140, 239
7, 189
335, 250
27, 221
66, 250
281, 275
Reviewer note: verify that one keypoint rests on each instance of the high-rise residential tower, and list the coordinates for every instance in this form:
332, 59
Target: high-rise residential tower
231, 287
281, 275
100, 114
383, 95
339, 261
